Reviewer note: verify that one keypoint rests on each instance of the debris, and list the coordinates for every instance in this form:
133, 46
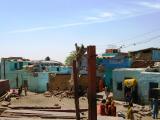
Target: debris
3, 97
120, 114
56, 104
63, 94
5, 103
47, 94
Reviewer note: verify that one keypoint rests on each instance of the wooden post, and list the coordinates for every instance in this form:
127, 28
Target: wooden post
75, 77
92, 107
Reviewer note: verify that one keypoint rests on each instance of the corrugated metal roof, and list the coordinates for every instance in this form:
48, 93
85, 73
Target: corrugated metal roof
145, 50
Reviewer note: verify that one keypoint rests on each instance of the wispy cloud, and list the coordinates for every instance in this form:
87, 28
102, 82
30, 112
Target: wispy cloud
106, 14
46, 27
99, 18
88, 20
102, 15
55, 27
92, 18
150, 5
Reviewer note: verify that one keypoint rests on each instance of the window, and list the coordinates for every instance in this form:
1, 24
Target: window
58, 69
119, 86
16, 66
20, 65
153, 93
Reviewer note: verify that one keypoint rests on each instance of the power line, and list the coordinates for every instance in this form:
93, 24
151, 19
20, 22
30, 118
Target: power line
143, 34
141, 42
137, 36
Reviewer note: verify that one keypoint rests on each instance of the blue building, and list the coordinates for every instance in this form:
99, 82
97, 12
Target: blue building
110, 60
34, 74
145, 83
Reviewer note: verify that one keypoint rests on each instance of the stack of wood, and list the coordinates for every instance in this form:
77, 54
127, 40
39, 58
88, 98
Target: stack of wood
54, 112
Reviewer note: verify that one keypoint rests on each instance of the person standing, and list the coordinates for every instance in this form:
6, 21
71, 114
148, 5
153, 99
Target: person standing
107, 92
130, 115
128, 97
154, 108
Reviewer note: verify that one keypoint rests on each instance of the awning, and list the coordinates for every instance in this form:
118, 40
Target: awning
130, 82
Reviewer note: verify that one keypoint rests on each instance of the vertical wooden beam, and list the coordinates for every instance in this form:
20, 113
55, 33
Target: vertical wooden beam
92, 108
75, 77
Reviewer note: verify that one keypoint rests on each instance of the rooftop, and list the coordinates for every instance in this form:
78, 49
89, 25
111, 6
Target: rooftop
130, 69
147, 49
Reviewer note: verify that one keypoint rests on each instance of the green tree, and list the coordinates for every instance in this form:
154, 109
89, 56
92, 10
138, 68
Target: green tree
70, 58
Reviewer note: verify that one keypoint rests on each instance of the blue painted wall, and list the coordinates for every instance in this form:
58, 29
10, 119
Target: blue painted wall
110, 64
143, 80
37, 81
119, 75
60, 69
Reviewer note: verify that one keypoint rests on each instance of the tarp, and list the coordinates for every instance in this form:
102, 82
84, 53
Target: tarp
130, 82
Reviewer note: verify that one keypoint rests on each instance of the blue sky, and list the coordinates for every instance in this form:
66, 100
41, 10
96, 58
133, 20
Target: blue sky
38, 28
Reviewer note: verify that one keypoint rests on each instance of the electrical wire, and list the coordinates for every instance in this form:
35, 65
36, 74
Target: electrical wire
141, 42
135, 37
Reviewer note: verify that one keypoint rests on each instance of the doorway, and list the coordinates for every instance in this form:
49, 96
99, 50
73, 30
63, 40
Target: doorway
26, 83
152, 93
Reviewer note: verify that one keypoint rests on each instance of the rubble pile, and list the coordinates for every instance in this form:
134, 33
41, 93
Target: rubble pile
155, 68
61, 94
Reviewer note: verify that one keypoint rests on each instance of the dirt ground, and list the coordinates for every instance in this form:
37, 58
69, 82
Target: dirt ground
34, 99
41, 100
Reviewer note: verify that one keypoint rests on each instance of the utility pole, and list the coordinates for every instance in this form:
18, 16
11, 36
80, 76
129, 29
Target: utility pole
92, 108
75, 78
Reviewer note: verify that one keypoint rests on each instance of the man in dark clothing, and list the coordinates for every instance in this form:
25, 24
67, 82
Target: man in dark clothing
154, 107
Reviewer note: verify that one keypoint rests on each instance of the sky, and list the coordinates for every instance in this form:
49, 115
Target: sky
35, 29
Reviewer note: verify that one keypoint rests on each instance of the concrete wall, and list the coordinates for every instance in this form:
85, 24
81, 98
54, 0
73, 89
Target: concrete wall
37, 81
59, 81
145, 79
63, 81
60, 69
119, 75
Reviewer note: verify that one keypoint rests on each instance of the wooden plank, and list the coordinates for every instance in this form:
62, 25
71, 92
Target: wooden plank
75, 77
27, 118
36, 112
62, 110
33, 107
42, 114
109, 118
92, 110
